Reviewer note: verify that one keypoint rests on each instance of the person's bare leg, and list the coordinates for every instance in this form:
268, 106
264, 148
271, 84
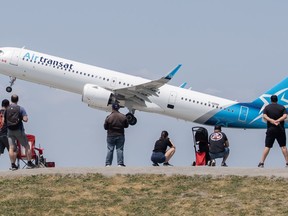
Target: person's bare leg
12, 151
28, 152
169, 154
265, 153
12, 154
285, 153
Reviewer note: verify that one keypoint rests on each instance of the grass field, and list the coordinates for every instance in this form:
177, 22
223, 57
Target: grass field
95, 194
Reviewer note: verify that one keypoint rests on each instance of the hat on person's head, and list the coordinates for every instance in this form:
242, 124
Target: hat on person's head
115, 106
5, 103
217, 127
274, 98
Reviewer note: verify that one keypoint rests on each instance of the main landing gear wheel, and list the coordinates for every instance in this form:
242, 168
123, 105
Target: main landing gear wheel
132, 120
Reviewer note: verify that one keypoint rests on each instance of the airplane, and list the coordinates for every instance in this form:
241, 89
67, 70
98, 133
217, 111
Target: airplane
101, 87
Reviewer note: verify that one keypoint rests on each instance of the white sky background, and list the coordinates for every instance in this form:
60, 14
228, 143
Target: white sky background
232, 49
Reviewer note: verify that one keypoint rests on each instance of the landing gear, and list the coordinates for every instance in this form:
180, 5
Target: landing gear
9, 89
12, 80
132, 120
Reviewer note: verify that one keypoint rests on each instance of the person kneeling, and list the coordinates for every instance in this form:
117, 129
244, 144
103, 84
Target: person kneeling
218, 146
160, 155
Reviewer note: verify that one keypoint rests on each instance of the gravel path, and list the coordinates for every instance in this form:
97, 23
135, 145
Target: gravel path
111, 171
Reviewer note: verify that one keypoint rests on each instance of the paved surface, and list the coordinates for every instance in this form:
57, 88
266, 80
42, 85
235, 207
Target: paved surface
188, 171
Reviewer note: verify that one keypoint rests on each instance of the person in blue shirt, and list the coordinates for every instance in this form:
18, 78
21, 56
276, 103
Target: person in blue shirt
17, 132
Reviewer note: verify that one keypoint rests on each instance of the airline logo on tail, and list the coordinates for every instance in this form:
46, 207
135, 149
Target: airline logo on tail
265, 100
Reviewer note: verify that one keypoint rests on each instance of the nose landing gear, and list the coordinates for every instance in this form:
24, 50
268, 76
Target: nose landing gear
12, 80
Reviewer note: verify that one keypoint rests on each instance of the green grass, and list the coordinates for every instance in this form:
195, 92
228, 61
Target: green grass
95, 194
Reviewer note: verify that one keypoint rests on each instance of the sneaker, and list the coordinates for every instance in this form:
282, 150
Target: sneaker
155, 164
30, 165
213, 163
209, 163
224, 165
286, 165
121, 165
108, 165
14, 167
261, 165
167, 164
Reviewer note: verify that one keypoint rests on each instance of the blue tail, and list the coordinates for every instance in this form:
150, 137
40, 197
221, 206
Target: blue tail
249, 115
280, 90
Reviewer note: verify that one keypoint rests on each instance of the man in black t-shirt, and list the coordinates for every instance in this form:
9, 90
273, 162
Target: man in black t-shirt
275, 115
218, 146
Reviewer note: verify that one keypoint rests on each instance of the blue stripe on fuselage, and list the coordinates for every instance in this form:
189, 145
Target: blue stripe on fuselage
241, 115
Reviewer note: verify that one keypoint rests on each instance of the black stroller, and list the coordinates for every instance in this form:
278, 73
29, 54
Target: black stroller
200, 139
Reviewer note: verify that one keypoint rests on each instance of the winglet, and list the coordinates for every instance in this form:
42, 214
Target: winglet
172, 73
183, 85
149, 88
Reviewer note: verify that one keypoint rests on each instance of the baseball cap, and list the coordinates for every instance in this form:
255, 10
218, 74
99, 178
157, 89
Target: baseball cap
115, 106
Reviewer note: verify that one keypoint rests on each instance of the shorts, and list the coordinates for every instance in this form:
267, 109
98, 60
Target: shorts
223, 154
14, 135
158, 157
275, 133
4, 144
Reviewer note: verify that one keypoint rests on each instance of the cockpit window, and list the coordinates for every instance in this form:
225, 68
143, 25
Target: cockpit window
1, 52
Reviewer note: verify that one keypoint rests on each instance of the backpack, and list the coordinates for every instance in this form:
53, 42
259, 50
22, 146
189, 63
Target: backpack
13, 117
1, 118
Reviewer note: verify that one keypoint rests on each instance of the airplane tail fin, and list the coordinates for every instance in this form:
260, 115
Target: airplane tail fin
279, 90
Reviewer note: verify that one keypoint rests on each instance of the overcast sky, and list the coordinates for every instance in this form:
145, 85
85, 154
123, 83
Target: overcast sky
231, 49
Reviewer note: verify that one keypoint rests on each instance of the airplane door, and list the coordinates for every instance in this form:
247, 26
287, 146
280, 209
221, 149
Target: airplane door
15, 57
243, 113
171, 100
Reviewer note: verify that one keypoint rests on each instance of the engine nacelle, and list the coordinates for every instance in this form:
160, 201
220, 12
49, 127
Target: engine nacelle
97, 97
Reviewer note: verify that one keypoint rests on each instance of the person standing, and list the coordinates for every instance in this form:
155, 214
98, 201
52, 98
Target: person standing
160, 153
275, 115
3, 130
15, 115
218, 146
115, 124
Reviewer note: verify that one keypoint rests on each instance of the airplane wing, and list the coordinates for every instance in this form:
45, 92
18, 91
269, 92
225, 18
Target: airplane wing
140, 93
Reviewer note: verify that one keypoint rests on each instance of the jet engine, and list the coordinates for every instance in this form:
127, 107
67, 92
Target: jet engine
97, 97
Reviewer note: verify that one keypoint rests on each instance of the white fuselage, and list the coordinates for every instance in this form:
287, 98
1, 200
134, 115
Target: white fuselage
72, 76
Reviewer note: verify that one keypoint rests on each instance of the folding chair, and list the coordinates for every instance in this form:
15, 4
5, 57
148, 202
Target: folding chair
37, 158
